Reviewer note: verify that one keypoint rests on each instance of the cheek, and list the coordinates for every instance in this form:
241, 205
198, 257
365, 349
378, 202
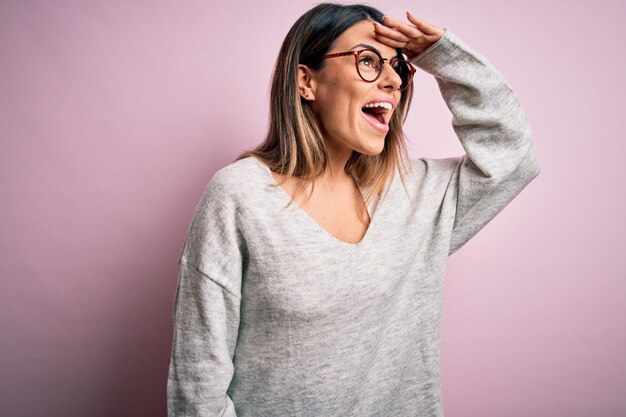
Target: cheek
333, 106
339, 117
337, 104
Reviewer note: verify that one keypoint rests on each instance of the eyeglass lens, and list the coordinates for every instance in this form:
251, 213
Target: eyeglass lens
370, 65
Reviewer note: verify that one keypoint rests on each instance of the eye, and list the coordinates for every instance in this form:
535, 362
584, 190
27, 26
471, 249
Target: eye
369, 60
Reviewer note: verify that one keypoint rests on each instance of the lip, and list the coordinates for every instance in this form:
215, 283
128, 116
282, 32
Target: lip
382, 127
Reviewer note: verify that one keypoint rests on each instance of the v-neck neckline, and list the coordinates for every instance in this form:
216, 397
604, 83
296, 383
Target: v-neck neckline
372, 210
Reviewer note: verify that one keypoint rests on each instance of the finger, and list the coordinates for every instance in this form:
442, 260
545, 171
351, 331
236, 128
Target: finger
423, 26
389, 41
389, 32
410, 31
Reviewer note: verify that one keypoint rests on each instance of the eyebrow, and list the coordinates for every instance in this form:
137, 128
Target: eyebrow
364, 45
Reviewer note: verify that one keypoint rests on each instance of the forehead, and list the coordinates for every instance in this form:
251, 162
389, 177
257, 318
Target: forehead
362, 32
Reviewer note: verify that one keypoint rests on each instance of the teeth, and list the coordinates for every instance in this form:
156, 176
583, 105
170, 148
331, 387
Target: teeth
380, 104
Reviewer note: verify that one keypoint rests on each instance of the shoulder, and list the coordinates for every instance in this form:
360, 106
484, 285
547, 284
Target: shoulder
231, 191
239, 173
236, 186
239, 178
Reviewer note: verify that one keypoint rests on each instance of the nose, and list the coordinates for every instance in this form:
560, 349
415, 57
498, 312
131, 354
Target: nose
389, 79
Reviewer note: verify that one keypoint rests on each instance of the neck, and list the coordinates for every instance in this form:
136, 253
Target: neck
335, 175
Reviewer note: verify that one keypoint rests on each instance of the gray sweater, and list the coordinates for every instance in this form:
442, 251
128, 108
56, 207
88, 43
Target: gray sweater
273, 316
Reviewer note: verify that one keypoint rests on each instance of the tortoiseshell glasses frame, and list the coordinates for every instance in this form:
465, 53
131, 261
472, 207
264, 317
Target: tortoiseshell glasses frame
401, 66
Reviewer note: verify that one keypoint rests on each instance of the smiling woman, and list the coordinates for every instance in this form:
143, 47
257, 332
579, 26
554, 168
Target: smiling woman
335, 89
332, 306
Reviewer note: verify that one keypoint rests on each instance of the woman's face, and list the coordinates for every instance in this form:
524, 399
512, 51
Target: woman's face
340, 95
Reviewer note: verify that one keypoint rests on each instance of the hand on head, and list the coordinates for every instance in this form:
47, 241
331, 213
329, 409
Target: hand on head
413, 40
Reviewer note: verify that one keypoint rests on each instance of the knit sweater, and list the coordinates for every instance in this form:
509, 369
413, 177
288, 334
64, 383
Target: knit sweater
274, 316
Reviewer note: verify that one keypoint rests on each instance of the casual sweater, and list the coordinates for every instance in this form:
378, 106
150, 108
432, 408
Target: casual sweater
274, 316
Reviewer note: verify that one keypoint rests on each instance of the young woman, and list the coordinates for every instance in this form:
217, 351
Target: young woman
311, 277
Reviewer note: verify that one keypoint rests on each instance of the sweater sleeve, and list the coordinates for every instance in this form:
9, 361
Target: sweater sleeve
493, 129
207, 310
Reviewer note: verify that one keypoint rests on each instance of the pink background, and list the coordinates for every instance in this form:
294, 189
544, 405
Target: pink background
114, 115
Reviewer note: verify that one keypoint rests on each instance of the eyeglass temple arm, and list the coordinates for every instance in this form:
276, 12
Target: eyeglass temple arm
340, 54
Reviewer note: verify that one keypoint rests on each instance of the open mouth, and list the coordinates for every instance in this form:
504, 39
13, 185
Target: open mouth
377, 111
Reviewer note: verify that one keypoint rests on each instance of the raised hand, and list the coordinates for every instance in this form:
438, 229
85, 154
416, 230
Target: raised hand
413, 40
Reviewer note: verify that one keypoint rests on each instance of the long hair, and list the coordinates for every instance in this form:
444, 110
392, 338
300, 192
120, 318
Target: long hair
294, 145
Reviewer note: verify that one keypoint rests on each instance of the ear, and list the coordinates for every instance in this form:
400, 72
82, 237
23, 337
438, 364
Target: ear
307, 84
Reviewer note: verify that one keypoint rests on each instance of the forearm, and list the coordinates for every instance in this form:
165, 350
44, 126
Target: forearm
487, 116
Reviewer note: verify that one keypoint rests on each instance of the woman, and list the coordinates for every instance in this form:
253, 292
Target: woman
331, 306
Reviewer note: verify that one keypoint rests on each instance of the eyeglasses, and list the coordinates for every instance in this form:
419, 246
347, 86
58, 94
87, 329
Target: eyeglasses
369, 65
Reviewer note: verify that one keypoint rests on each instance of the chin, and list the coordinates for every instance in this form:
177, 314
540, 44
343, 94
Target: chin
373, 150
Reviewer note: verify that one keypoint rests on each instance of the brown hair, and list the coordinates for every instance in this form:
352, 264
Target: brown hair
294, 145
